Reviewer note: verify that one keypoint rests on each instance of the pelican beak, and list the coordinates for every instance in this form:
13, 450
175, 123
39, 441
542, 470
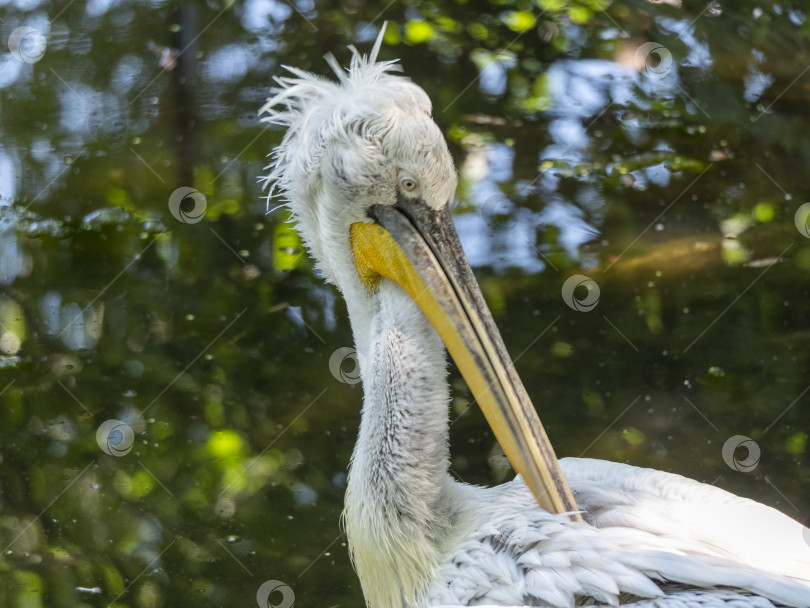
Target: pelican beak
417, 247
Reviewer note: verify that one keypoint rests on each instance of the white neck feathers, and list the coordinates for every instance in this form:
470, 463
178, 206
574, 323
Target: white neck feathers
397, 512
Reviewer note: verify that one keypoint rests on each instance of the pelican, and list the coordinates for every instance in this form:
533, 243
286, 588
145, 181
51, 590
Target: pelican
368, 179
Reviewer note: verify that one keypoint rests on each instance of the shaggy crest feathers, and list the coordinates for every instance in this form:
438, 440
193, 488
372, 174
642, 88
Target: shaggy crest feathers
310, 105
345, 142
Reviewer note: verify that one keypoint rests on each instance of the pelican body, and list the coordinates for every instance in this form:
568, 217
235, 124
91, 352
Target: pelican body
368, 179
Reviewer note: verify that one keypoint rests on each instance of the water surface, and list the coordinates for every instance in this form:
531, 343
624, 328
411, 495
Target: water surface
657, 150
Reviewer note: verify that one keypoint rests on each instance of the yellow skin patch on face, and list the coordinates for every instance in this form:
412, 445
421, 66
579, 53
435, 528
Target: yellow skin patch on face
377, 254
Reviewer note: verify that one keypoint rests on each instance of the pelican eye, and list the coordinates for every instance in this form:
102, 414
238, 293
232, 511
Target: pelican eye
408, 184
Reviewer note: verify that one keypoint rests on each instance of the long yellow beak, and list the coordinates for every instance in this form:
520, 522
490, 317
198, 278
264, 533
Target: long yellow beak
418, 248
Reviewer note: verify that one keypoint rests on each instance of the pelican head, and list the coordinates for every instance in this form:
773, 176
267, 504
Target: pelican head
350, 145
368, 179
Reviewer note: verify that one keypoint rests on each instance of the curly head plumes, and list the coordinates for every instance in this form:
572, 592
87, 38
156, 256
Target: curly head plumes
346, 143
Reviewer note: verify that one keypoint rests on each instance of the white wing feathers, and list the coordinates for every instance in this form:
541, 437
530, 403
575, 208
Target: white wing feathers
657, 541
705, 518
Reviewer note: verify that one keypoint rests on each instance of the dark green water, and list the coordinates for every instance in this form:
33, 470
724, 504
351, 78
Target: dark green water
673, 175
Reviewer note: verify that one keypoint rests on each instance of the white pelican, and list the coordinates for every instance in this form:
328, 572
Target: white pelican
368, 178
